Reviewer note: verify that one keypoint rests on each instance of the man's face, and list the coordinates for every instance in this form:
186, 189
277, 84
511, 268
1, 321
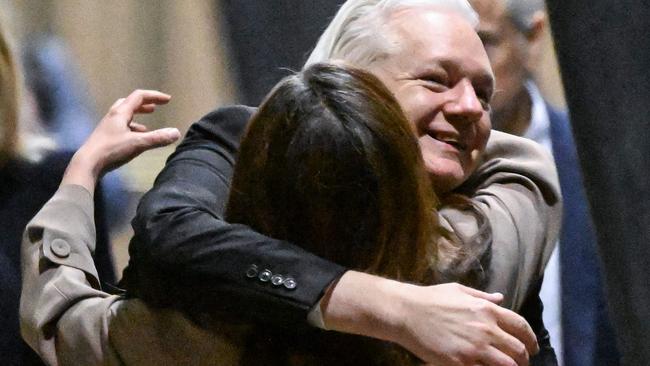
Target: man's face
507, 49
442, 78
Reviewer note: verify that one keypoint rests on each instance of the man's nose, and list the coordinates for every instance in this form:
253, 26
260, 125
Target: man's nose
463, 105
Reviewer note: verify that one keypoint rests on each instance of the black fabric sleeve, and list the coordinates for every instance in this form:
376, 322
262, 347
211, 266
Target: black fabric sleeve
532, 310
185, 255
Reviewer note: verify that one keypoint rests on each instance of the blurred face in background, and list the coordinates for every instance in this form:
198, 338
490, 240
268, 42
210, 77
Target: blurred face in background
442, 78
511, 51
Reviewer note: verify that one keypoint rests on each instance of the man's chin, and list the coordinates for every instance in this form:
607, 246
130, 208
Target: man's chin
445, 180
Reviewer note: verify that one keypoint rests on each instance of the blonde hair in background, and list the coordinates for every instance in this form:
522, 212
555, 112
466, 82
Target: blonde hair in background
358, 33
9, 97
21, 135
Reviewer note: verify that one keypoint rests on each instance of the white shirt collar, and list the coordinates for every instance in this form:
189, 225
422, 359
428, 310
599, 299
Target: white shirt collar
540, 124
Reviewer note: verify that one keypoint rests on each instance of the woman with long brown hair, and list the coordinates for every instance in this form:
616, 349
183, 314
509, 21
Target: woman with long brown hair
328, 162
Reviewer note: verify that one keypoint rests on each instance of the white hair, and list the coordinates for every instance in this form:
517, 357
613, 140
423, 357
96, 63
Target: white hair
521, 12
358, 33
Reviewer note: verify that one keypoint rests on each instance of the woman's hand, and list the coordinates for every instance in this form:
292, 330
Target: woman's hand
117, 139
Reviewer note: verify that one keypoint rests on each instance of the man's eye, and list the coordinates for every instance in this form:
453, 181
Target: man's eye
435, 82
485, 102
485, 99
488, 39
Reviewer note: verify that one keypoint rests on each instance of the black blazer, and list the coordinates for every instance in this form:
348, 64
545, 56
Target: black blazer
184, 254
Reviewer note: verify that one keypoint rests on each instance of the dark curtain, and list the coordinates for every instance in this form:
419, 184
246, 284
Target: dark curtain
604, 52
270, 37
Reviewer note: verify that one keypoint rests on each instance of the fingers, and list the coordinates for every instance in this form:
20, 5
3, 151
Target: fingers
511, 347
146, 108
137, 127
142, 101
158, 138
518, 327
494, 357
495, 297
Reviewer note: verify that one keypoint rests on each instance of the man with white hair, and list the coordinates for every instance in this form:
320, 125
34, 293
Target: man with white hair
429, 55
574, 306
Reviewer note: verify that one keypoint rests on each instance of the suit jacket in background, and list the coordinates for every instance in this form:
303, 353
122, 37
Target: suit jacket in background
588, 336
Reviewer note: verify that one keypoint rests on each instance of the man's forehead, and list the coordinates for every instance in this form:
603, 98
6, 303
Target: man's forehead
428, 24
410, 13
437, 32
434, 38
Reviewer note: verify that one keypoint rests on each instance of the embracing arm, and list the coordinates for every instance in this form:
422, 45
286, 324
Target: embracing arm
63, 312
517, 189
64, 315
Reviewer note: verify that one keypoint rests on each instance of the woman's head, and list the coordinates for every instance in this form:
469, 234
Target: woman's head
329, 162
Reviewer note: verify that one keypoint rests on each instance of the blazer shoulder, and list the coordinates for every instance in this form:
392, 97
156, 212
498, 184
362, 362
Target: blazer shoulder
225, 124
235, 115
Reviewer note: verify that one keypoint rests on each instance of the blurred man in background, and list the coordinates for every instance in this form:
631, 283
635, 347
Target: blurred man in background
575, 311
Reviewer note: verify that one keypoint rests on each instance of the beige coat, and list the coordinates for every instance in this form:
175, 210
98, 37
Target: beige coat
68, 320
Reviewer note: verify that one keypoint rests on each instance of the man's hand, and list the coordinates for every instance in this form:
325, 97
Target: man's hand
117, 139
446, 324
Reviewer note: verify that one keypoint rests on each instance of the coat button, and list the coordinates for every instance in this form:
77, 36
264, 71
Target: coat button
60, 248
277, 280
252, 271
265, 275
290, 283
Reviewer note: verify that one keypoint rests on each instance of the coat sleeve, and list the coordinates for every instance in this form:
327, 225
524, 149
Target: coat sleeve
184, 246
517, 189
63, 312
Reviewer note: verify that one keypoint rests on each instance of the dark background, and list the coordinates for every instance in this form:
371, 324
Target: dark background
604, 53
269, 38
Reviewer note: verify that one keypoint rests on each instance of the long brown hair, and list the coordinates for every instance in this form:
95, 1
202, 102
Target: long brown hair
330, 163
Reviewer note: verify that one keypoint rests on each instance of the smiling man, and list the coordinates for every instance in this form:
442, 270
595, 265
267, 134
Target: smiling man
185, 255
444, 90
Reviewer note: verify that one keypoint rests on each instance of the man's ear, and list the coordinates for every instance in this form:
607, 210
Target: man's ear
535, 39
537, 26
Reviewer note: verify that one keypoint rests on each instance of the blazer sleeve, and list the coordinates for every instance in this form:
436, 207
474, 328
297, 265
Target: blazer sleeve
63, 312
517, 189
184, 246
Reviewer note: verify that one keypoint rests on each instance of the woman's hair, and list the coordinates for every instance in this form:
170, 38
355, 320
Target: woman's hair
330, 163
360, 32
